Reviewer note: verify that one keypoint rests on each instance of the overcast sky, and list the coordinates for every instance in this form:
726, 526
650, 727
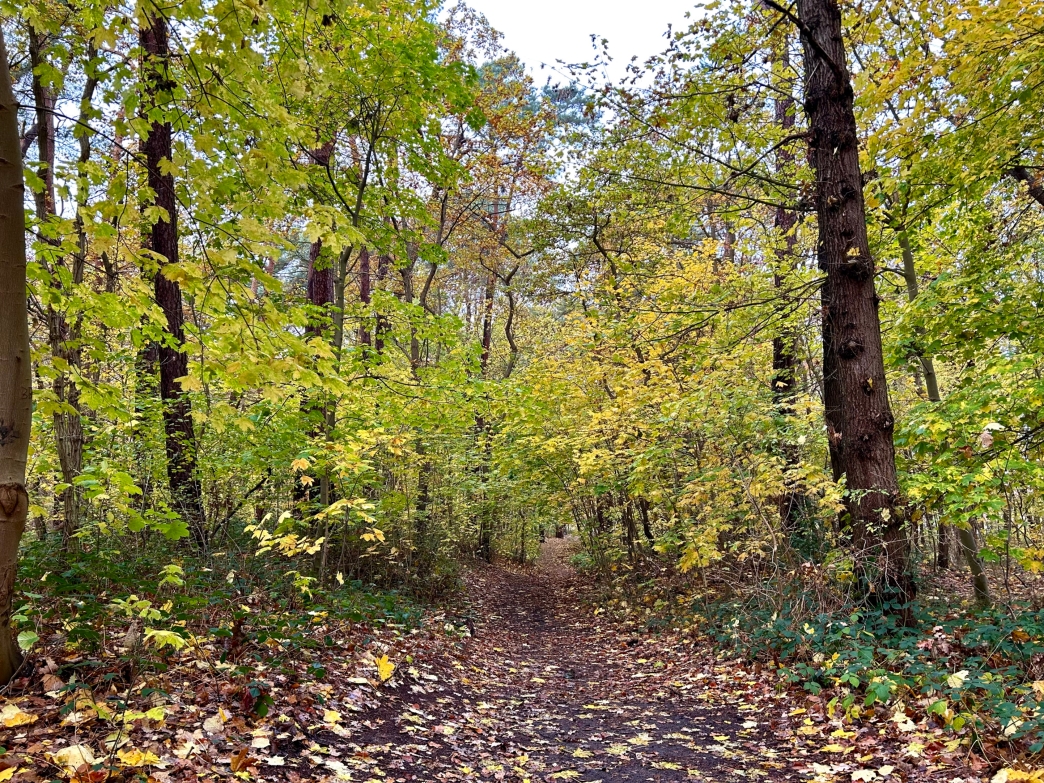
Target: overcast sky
548, 30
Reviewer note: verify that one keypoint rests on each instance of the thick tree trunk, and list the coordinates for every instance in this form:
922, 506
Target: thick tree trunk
859, 416
16, 386
185, 489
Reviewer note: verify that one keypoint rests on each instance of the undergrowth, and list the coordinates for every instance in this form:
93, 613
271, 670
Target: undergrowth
975, 671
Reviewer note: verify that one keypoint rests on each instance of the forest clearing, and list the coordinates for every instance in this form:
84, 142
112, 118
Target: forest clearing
378, 406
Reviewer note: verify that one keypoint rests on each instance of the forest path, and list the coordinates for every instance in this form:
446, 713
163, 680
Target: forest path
546, 691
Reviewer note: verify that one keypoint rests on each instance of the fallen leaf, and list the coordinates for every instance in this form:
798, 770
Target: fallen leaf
385, 668
72, 757
12, 716
137, 758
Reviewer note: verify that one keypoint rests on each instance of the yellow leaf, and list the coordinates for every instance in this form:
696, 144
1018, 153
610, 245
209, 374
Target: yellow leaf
331, 716
137, 758
8, 773
385, 668
11, 716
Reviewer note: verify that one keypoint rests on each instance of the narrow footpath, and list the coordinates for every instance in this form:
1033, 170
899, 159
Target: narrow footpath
546, 691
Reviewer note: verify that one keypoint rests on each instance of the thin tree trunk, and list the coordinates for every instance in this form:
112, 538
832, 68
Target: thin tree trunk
965, 535
784, 357
179, 431
970, 550
365, 298
63, 338
643, 507
859, 416
382, 322
16, 385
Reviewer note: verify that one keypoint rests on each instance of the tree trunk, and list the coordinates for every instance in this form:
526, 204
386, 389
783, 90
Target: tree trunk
784, 358
422, 527
942, 556
382, 322
63, 339
859, 416
965, 536
487, 320
970, 550
16, 385
1035, 189
643, 506
365, 298
185, 489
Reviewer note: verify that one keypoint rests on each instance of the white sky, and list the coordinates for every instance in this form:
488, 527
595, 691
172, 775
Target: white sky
549, 30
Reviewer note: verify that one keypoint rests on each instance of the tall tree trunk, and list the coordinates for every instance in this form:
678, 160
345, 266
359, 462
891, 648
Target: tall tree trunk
63, 337
487, 320
482, 429
320, 291
784, 357
16, 385
643, 506
382, 323
365, 298
185, 488
859, 417
965, 535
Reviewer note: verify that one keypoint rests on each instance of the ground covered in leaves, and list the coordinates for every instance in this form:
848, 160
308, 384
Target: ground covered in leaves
526, 683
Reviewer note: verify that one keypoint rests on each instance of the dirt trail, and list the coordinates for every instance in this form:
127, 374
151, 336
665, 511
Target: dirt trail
547, 692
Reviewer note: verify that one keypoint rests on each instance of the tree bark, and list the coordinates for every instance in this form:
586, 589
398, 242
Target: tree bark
784, 357
382, 323
365, 298
63, 337
179, 431
16, 386
1035, 189
487, 320
859, 417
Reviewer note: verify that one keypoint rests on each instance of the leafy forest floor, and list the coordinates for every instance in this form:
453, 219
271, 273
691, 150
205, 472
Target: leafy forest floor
544, 690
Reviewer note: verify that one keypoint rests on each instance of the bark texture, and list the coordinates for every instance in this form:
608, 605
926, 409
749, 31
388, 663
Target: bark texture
859, 417
179, 431
16, 385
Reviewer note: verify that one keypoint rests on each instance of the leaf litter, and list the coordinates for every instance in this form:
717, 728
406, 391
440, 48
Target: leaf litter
546, 689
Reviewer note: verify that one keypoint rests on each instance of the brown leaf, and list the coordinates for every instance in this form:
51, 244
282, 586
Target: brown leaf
242, 760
